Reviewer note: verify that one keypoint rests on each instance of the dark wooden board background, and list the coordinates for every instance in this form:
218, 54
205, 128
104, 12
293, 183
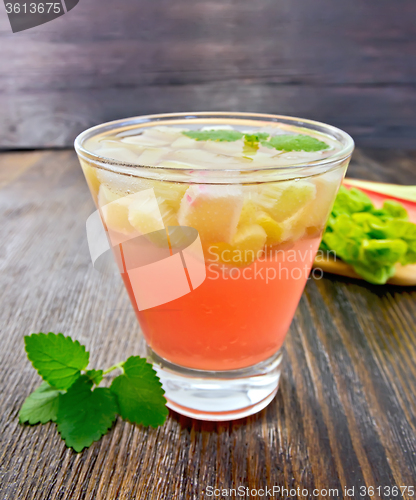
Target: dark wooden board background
351, 63
345, 414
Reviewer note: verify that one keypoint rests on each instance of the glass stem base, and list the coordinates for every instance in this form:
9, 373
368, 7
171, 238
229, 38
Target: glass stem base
218, 395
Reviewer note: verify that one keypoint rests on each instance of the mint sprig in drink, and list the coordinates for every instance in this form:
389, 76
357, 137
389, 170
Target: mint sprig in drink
215, 220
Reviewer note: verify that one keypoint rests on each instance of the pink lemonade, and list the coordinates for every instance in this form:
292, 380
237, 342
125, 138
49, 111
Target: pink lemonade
238, 316
251, 194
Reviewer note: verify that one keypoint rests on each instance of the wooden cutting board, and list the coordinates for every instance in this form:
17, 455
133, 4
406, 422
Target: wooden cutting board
378, 192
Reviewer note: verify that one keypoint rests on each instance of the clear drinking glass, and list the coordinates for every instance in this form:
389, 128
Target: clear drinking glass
214, 259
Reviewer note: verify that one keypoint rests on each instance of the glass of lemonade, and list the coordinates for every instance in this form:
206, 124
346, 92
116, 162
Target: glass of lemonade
214, 220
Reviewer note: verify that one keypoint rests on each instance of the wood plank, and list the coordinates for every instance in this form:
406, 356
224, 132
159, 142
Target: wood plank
350, 64
15, 163
344, 414
53, 118
384, 165
199, 42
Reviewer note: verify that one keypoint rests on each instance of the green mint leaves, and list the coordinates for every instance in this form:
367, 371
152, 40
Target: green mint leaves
252, 142
69, 395
214, 135
371, 240
58, 359
140, 395
254, 139
95, 376
41, 406
285, 142
84, 415
297, 142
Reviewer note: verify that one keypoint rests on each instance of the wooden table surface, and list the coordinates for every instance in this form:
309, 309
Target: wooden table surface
344, 415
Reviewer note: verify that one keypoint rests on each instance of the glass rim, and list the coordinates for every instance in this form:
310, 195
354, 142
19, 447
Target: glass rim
314, 167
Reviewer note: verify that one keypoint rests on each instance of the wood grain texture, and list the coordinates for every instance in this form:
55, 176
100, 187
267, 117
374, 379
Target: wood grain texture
12, 165
345, 414
349, 63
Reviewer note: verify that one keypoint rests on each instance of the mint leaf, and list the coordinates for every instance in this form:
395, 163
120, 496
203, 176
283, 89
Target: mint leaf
140, 394
58, 359
254, 139
266, 144
214, 135
95, 376
85, 415
297, 142
285, 142
41, 406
